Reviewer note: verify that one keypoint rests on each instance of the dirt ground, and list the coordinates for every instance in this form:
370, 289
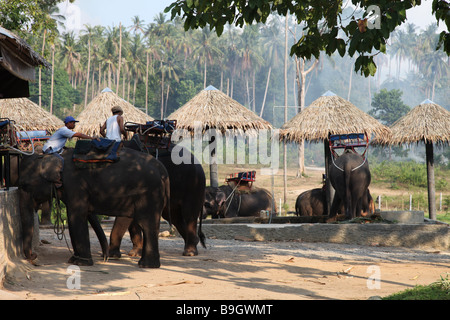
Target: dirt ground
229, 269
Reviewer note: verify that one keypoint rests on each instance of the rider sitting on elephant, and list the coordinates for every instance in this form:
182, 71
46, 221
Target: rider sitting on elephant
114, 125
58, 140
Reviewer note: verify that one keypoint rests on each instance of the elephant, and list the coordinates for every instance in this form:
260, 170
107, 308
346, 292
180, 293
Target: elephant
350, 177
313, 202
137, 187
226, 202
187, 190
45, 207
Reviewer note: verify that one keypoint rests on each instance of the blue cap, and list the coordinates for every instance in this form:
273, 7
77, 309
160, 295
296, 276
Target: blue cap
70, 119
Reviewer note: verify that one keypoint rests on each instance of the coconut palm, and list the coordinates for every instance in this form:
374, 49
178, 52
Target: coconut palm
207, 50
273, 46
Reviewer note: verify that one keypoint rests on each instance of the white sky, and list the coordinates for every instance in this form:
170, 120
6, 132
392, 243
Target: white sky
113, 12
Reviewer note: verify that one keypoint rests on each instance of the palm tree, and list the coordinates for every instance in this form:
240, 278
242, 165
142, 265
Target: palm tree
273, 46
70, 56
88, 32
250, 59
169, 69
207, 50
137, 26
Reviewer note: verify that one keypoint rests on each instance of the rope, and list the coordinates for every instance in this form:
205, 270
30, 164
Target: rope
58, 227
365, 159
232, 195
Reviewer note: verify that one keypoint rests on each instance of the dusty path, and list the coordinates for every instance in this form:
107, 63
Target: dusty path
230, 269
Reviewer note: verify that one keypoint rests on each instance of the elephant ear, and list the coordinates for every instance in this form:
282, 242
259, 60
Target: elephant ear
51, 168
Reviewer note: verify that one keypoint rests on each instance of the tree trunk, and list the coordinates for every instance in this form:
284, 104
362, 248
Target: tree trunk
430, 176
350, 82
120, 57
87, 73
40, 71
146, 86
254, 93
53, 79
265, 92
204, 80
285, 108
162, 93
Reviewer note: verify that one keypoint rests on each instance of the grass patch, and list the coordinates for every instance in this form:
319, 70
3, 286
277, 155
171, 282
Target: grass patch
439, 290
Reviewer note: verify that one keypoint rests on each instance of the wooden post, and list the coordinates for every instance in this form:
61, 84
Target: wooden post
213, 170
329, 190
430, 176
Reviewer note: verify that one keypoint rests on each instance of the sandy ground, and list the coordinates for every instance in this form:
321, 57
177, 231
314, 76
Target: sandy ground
228, 269
231, 269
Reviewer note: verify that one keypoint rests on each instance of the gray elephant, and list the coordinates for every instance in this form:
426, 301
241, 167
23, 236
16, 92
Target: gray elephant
226, 202
312, 203
136, 187
350, 177
187, 193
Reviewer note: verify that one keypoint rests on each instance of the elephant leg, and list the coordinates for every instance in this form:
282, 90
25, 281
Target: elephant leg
136, 238
149, 223
45, 213
185, 221
120, 226
79, 235
95, 224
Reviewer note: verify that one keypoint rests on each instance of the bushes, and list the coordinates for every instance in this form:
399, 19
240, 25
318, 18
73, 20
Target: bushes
407, 173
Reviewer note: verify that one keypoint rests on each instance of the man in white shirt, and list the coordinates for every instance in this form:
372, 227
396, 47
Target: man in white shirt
114, 125
58, 140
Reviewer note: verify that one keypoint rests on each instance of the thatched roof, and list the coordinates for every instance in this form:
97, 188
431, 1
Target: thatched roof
427, 122
28, 115
211, 108
99, 109
330, 114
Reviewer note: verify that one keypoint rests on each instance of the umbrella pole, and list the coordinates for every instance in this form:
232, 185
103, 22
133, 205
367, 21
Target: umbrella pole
329, 190
430, 177
213, 170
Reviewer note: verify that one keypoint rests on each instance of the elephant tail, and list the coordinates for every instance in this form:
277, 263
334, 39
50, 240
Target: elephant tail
166, 210
200, 233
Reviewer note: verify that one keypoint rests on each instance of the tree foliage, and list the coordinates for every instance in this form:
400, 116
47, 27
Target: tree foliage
23, 16
325, 28
388, 107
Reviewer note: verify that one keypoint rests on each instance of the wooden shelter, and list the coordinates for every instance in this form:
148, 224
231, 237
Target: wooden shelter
428, 123
99, 109
28, 115
329, 115
17, 65
213, 109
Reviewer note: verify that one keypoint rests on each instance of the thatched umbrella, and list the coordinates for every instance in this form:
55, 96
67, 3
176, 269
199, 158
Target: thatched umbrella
99, 109
330, 114
428, 123
213, 109
28, 115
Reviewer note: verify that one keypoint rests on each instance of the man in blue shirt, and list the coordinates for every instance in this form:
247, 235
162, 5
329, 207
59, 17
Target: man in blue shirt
58, 140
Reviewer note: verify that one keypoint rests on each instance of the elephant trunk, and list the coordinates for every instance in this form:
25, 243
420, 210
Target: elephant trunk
27, 220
